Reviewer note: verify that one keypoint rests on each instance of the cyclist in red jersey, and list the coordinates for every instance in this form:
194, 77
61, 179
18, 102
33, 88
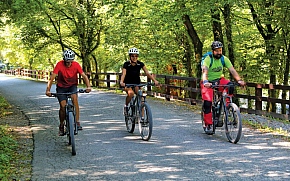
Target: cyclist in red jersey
131, 75
67, 71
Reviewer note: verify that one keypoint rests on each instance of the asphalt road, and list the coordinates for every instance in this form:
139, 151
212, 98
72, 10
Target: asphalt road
177, 150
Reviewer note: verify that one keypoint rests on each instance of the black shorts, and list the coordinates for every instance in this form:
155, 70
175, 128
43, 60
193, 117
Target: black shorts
65, 90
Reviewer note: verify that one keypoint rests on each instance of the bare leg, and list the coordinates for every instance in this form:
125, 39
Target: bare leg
62, 112
76, 105
130, 94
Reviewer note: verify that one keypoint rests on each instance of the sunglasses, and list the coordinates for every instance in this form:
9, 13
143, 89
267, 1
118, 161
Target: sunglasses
134, 56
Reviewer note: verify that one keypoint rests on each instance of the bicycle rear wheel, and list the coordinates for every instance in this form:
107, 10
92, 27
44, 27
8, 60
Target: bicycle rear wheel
130, 119
233, 123
145, 122
71, 120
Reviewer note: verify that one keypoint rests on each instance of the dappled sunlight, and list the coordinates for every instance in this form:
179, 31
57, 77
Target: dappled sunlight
178, 149
158, 169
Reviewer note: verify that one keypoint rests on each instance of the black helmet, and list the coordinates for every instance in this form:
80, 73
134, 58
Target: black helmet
68, 55
216, 44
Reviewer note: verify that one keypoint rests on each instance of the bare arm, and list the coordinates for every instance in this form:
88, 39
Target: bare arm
87, 82
205, 76
49, 84
124, 71
236, 76
149, 75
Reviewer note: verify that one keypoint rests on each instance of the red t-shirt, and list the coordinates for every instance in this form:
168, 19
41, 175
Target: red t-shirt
67, 76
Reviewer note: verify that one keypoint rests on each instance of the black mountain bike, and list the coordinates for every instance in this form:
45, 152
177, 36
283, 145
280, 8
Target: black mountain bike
70, 125
139, 112
224, 113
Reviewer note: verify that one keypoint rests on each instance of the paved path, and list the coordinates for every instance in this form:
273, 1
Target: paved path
178, 149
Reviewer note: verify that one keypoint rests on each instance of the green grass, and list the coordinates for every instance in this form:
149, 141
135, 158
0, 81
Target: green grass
8, 145
8, 152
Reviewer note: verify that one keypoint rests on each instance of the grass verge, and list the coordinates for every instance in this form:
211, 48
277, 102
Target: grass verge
15, 150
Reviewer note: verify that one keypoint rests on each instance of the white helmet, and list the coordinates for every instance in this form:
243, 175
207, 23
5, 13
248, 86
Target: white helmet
133, 51
68, 55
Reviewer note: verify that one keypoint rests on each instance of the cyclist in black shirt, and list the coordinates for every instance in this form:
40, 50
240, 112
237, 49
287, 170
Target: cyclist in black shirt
131, 75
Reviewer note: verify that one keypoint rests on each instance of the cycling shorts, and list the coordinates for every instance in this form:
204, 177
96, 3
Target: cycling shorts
65, 90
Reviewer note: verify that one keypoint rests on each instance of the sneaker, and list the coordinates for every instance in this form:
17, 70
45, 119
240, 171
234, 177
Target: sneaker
208, 129
61, 131
79, 126
126, 110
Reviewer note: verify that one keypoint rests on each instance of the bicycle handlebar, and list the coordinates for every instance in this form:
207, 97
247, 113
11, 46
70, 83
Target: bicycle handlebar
231, 85
69, 93
139, 85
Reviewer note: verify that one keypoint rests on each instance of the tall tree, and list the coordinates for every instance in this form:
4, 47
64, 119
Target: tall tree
264, 20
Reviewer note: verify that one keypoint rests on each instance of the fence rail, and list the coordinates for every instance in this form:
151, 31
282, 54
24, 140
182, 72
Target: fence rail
253, 99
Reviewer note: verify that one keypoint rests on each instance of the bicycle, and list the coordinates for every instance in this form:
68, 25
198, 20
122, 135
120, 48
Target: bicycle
225, 113
70, 120
139, 112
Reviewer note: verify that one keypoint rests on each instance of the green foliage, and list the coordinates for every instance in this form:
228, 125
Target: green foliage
101, 32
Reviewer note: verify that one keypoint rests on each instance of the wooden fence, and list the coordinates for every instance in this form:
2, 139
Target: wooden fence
252, 100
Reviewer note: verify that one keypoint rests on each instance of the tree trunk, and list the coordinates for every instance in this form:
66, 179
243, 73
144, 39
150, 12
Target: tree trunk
228, 27
217, 26
197, 44
268, 34
286, 76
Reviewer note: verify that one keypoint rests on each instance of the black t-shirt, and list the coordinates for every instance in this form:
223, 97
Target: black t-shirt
133, 72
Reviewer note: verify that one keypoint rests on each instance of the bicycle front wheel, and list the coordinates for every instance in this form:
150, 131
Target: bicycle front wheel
233, 123
145, 122
130, 119
71, 120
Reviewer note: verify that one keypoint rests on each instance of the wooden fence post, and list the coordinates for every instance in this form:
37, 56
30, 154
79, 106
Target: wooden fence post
192, 84
167, 82
149, 86
258, 95
108, 81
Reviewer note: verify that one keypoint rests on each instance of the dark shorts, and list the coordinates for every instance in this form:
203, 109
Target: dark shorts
65, 90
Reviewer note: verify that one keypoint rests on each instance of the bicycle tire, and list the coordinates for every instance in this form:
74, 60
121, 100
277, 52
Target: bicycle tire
233, 123
71, 120
130, 119
145, 121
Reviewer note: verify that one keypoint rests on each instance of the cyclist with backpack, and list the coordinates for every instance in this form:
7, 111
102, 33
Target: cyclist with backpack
131, 75
212, 67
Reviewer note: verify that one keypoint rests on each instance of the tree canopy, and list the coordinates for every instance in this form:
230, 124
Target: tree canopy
169, 34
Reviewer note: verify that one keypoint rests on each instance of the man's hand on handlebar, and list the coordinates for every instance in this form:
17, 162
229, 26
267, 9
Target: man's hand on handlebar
207, 84
48, 93
242, 83
88, 89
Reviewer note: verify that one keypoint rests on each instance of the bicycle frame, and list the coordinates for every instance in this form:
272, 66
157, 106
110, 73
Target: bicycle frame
224, 106
137, 99
69, 107
139, 112
70, 119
